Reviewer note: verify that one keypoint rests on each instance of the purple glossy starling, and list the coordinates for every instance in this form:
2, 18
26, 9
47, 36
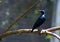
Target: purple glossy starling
41, 19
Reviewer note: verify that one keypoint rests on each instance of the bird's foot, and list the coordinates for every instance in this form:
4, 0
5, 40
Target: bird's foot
46, 33
39, 30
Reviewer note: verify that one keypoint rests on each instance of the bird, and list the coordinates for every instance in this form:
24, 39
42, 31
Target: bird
41, 19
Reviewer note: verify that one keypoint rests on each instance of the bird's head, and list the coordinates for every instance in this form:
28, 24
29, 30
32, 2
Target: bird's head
42, 12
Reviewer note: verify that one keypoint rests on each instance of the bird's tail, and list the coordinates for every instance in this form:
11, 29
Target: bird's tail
32, 29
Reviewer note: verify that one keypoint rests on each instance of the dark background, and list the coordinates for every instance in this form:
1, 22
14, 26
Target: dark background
11, 9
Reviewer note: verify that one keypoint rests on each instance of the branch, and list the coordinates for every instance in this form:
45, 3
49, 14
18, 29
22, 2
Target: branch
53, 34
20, 16
53, 29
22, 31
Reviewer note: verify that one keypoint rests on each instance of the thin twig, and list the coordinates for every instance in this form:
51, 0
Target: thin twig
53, 34
20, 16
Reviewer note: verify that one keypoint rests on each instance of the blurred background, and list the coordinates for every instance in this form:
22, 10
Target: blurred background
11, 9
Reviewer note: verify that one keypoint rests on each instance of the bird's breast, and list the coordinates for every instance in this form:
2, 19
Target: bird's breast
42, 19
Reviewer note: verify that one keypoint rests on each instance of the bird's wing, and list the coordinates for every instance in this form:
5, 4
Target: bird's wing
37, 23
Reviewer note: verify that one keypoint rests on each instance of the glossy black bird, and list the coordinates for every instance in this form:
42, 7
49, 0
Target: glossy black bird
40, 20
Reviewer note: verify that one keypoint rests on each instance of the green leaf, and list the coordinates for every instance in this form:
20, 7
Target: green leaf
36, 11
47, 36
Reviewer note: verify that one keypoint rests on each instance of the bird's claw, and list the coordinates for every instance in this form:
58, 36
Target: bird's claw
39, 31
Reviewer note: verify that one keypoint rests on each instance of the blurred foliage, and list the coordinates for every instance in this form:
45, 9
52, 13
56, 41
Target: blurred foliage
36, 11
0, 1
47, 36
